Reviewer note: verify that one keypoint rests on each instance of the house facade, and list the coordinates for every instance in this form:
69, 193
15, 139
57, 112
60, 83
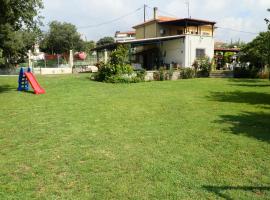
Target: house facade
167, 41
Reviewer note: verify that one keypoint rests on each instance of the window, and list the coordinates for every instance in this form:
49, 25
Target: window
200, 53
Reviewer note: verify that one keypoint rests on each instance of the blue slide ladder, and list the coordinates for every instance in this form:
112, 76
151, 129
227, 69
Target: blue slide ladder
23, 83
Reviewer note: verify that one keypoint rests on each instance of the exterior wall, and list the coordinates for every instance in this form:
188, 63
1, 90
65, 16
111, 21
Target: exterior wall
140, 33
153, 30
150, 31
48, 71
173, 51
193, 42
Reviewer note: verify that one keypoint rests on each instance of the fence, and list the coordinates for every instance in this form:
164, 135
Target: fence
54, 65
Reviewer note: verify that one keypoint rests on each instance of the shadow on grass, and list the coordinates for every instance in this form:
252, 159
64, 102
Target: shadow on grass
252, 85
6, 88
250, 82
255, 125
243, 80
253, 98
219, 190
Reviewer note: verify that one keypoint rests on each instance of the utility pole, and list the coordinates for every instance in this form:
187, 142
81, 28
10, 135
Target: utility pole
144, 18
144, 12
188, 5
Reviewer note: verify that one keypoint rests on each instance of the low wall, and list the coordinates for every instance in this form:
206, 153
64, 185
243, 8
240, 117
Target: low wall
150, 75
50, 71
85, 69
9, 71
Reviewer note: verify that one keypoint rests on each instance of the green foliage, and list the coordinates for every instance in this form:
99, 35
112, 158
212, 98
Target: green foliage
87, 46
267, 20
202, 66
61, 38
162, 74
227, 57
105, 41
20, 13
256, 52
18, 20
119, 56
2, 59
118, 70
187, 73
246, 72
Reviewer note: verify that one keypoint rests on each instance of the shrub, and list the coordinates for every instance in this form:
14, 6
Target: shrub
187, 73
264, 74
119, 56
118, 70
245, 72
202, 66
141, 74
162, 74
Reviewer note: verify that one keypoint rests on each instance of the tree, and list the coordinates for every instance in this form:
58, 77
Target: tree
88, 45
17, 19
105, 41
268, 24
256, 52
61, 38
268, 20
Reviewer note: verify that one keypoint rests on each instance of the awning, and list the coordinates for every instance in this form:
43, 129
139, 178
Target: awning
138, 42
147, 41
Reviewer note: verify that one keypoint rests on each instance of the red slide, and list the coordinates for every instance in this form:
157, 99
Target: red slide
33, 81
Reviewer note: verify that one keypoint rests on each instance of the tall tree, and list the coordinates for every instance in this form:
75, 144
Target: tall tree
61, 38
256, 52
17, 18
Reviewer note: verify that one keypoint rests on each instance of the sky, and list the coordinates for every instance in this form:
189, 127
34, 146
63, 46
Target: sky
236, 19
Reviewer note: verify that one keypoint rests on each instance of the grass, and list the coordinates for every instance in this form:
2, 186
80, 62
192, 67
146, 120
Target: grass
186, 139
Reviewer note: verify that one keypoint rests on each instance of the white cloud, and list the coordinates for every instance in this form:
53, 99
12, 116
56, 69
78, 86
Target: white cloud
246, 15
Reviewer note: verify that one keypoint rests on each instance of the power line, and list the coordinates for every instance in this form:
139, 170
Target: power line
111, 21
140, 8
230, 29
240, 31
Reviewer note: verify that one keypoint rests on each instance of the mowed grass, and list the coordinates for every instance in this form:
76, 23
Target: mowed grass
186, 139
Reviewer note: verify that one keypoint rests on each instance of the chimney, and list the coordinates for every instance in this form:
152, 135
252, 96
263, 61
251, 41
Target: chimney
155, 13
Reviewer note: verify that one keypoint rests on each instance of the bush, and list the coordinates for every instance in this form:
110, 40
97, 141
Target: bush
187, 73
264, 75
246, 72
118, 70
141, 74
162, 74
202, 67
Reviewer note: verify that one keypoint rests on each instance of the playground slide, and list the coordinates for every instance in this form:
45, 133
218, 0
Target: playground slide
35, 85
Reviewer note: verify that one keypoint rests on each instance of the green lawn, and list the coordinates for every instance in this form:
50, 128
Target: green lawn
186, 139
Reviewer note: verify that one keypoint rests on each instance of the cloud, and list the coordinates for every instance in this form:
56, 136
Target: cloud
245, 15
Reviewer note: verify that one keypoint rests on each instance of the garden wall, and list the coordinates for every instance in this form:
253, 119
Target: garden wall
50, 71
9, 71
150, 75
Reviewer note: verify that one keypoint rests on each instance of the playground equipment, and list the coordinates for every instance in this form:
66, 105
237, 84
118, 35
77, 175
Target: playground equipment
27, 77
